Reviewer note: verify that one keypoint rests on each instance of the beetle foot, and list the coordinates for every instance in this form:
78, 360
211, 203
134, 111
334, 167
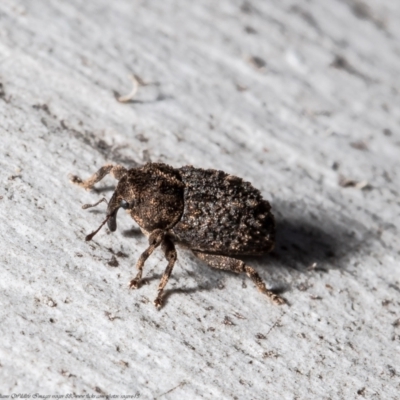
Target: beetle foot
134, 283
78, 181
158, 302
277, 299
75, 179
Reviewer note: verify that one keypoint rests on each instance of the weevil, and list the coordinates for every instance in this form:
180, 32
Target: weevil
216, 215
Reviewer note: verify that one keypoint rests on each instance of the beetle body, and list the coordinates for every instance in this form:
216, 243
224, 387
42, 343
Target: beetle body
214, 214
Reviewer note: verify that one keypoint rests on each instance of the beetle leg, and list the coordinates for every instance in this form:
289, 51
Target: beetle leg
155, 239
238, 266
117, 171
170, 254
85, 206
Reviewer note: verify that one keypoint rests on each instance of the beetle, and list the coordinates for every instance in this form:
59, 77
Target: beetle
216, 215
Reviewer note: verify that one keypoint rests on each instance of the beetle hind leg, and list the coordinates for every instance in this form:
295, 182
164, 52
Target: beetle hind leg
117, 171
238, 266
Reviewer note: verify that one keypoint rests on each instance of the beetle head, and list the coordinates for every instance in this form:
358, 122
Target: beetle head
153, 196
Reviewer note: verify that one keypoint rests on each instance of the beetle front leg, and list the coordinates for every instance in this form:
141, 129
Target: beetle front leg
155, 239
170, 254
238, 266
117, 171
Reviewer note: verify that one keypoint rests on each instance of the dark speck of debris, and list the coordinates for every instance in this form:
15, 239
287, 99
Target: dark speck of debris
102, 144
363, 11
341, 62
240, 88
302, 287
386, 176
238, 316
335, 166
306, 16
392, 371
257, 62
2, 91
269, 354
228, 321
187, 344
119, 254
385, 107
359, 145
124, 363
250, 30
314, 297
110, 316
247, 8
361, 392
43, 107
67, 374
113, 262
142, 138
260, 336
387, 132
98, 390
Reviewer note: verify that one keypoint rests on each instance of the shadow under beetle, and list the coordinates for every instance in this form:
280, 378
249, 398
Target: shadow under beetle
216, 215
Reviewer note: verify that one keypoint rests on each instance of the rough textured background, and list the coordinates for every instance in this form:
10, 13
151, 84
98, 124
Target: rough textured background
300, 98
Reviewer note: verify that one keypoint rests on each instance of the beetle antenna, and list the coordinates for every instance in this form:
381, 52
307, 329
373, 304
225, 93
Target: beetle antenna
85, 206
90, 236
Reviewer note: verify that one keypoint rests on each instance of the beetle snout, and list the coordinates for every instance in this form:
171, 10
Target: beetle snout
112, 210
112, 221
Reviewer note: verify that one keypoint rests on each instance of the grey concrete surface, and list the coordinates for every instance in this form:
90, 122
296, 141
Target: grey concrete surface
301, 98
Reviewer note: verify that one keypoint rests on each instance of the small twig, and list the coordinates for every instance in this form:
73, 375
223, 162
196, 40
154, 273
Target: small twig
276, 323
346, 183
169, 391
136, 83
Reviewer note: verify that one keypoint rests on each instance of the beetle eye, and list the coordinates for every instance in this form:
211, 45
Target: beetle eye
124, 204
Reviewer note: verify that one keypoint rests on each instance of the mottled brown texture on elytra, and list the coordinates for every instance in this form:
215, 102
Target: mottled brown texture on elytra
223, 214
214, 214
